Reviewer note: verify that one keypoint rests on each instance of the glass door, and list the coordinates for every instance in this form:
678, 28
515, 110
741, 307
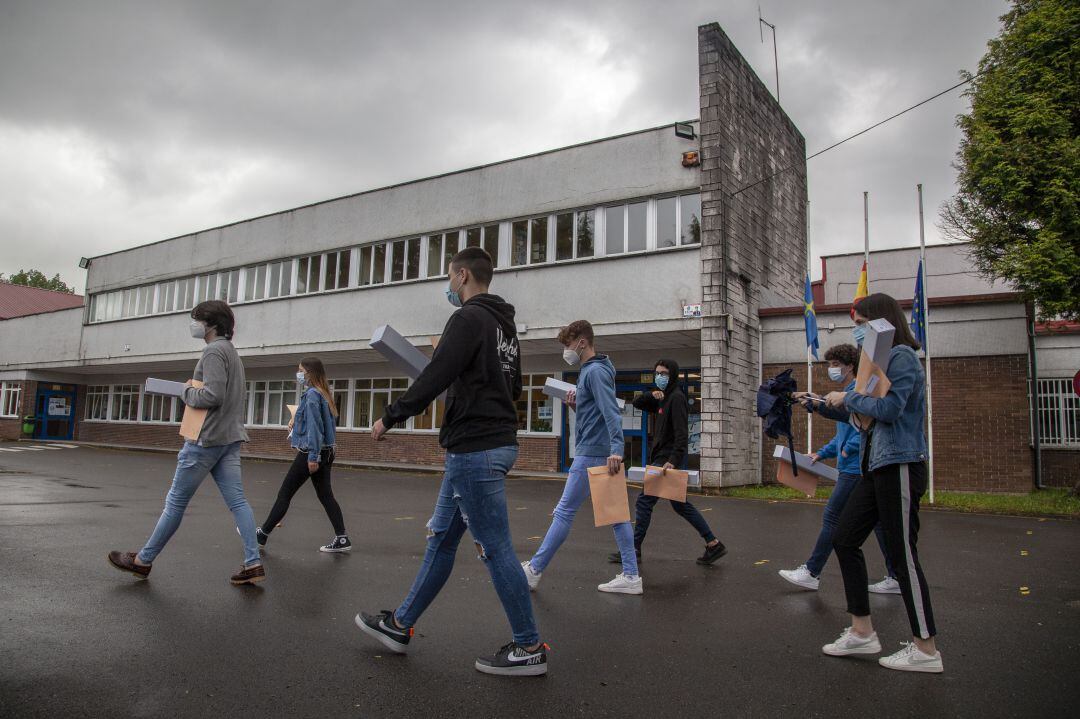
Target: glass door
55, 409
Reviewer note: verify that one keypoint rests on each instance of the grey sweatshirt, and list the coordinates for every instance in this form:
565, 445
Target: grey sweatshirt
222, 393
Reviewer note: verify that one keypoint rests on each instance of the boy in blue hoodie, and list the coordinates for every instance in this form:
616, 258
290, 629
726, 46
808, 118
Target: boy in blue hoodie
599, 443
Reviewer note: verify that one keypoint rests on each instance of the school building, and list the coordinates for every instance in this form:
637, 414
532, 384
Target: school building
685, 241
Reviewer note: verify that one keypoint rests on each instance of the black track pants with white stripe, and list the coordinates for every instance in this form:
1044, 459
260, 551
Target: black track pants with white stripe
890, 495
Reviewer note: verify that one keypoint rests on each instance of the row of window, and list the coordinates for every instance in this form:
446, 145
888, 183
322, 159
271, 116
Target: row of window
612, 230
10, 394
360, 402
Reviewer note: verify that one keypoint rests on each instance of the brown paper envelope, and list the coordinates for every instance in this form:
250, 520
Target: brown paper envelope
867, 370
666, 485
292, 409
434, 339
805, 482
192, 422
609, 500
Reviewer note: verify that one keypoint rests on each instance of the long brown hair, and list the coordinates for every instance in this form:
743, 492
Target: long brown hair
881, 306
316, 377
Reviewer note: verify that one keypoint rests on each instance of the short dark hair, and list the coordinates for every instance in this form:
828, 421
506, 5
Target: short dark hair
576, 330
844, 354
216, 314
881, 306
477, 261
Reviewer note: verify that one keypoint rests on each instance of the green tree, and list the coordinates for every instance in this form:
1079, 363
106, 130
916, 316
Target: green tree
37, 278
1019, 159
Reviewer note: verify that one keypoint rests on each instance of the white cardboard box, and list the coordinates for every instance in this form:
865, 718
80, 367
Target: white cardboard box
164, 386
818, 469
637, 474
878, 342
401, 353
558, 389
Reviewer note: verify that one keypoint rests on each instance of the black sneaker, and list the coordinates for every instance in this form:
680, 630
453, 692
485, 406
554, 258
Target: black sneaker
260, 536
338, 544
382, 627
514, 660
616, 557
712, 553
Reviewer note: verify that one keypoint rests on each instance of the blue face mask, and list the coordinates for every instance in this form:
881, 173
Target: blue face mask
453, 296
301, 378
662, 381
859, 333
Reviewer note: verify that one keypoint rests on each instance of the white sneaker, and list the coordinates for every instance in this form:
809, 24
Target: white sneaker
531, 575
623, 584
800, 576
888, 585
851, 643
912, 659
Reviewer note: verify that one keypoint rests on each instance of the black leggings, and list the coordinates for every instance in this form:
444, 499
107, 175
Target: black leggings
298, 474
889, 494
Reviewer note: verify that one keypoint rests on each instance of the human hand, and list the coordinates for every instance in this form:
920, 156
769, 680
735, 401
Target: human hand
813, 457
614, 462
571, 399
657, 394
291, 423
667, 466
843, 453
378, 431
313, 467
835, 399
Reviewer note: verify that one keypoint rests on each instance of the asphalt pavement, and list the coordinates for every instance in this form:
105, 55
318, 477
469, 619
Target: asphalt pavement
78, 638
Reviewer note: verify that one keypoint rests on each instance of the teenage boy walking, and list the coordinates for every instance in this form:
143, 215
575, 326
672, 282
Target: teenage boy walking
599, 443
478, 361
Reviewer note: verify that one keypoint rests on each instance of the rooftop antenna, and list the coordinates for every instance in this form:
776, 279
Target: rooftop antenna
776, 62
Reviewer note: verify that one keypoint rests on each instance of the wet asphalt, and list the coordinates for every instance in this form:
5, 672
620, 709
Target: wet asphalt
78, 638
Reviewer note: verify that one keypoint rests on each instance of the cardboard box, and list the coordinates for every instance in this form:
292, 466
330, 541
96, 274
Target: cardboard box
637, 474
558, 389
870, 379
818, 469
401, 353
191, 423
164, 386
878, 342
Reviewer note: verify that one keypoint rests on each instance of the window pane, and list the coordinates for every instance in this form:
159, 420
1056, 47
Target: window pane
365, 266
539, 240
259, 406
330, 272
380, 383
362, 409
397, 262
491, 243
542, 408
302, 275
379, 402
690, 209
519, 242
472, 238
613, 218
275, 279
314, 272
344, 267
638, 214
250, 283
434, 255
379, 264
234, 285
412, 268
450, 249
564, 236
665, 222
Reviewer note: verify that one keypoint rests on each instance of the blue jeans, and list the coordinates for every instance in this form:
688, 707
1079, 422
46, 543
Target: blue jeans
575, 492
845, 484
473, 496
192, 465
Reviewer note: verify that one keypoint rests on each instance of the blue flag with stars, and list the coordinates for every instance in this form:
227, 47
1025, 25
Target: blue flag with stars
810, 318
918, 309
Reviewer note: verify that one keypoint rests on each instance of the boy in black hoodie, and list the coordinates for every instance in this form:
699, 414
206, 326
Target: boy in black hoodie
477, 363
670, 440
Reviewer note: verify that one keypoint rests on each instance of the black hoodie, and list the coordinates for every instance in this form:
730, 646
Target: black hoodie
478, 360
671, 429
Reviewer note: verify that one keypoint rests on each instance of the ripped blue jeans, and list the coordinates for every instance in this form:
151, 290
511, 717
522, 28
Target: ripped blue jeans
473, 496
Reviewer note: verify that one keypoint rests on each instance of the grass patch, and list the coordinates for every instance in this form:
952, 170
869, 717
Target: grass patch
1040, 503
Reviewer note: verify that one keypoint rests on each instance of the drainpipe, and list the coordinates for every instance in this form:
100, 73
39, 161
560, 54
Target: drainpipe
1033, 373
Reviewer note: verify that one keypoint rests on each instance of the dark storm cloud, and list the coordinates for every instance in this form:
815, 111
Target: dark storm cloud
123, 123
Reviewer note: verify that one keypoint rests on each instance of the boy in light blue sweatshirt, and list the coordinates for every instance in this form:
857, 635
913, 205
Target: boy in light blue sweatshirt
599, 443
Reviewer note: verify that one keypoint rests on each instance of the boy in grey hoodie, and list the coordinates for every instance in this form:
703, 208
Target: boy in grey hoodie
599, 442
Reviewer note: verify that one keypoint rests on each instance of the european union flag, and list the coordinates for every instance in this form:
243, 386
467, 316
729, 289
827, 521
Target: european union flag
810, 318
918, 309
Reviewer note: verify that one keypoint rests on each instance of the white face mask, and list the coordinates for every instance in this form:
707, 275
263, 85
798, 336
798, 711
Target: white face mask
836, 373
198, 330
301, 377
571, 357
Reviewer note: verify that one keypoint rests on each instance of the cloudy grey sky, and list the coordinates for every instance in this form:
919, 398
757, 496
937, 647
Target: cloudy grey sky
123, 123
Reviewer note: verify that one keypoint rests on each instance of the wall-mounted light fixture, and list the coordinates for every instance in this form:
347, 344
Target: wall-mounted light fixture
84, 262
685, 130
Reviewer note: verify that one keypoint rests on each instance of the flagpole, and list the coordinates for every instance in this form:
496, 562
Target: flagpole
926, 348
809, 362
866, 234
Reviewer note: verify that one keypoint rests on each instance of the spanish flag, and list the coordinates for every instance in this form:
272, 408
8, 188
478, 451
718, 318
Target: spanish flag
861, 291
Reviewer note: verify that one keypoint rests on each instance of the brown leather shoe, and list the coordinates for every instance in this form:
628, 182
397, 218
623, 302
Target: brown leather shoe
126, 561
249, 575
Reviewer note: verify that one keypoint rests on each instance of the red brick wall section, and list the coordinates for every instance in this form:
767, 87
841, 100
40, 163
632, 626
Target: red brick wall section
981, 428
1060, 467
535, 453
11, 429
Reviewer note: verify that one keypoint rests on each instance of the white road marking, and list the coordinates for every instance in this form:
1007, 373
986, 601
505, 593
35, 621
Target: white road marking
9, 449
65, 446
41, 446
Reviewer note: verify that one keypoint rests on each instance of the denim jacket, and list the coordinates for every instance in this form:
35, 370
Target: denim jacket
845, 446
897, 434
313, 426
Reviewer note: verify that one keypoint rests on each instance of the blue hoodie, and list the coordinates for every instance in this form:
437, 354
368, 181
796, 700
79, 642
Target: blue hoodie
313, 426
847, 441
599, 422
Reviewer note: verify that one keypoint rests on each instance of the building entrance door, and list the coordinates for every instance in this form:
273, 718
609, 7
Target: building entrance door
55, 412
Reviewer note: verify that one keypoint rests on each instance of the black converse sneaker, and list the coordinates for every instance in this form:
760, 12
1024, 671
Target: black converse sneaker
339, 544
260, 536
382, 627
514, 660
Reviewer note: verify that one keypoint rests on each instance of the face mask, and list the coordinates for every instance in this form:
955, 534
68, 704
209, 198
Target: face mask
570, 357
453, 296
198, 330
662, 381
836, 374
301, 377
858, 333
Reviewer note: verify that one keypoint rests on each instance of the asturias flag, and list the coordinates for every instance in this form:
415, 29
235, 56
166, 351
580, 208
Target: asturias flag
862, 290
918, 309
811, 318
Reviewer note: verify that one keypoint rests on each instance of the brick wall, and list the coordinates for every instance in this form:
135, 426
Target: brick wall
535, 453
11, 429
981, 429
1060, 467
749, 241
